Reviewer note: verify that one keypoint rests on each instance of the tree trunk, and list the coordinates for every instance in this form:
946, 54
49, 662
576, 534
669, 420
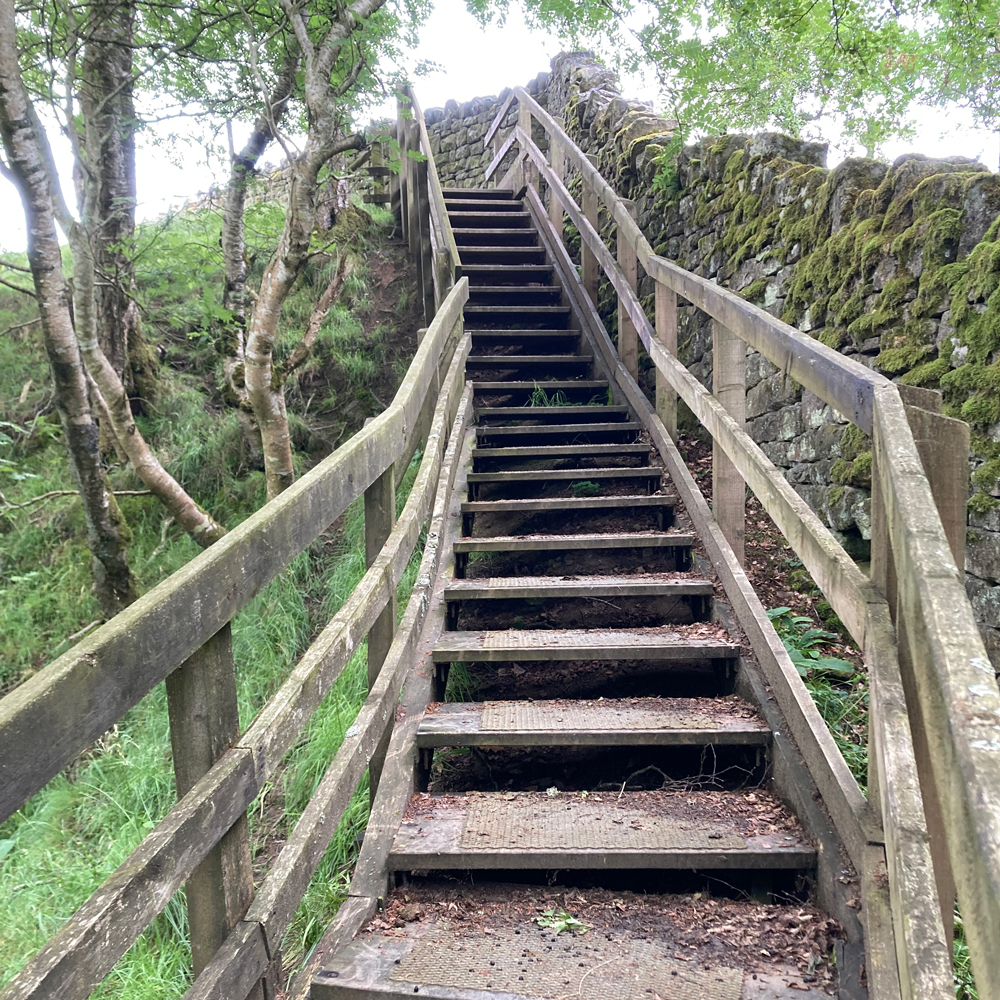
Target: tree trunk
107, 532
234, 296
199, 524
265, 384
106, 100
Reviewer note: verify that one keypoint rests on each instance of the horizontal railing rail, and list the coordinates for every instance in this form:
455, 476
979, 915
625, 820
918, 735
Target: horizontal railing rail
937, 680
181, 628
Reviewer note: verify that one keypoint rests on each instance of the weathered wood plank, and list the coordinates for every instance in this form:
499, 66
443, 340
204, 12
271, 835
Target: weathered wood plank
836, 574
501, 153
85, 949
371, 872
628, 338
876, 917
63, 708
729, 376
954, 680
353, 914
923, 953
943, 446
289, 876
67, 705
498, 121
665, 306
204, 724
439, 213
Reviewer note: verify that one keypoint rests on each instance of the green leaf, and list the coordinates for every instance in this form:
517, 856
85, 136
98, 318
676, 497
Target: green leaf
834, 665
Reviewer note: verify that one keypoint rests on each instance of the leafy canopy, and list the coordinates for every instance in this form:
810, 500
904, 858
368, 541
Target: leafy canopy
728, 65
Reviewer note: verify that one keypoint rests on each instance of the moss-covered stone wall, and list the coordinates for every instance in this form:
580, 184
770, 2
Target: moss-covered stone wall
456, 132
897, 266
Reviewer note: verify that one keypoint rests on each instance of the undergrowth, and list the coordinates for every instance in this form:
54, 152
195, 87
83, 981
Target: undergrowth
71, 835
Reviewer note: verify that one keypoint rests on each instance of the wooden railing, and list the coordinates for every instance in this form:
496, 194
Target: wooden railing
421, 207
928, 670
180, 632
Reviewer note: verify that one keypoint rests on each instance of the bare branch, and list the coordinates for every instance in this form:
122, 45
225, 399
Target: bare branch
18, 288
319, 313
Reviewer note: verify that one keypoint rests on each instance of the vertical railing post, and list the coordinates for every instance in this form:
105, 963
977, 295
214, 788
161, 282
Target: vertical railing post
666, 333
557, 160
412, 201
378, 162
589, 266
729, 374
403, 137
530, 175
204, 723
628, 338
943, 445
380, 516
425, 255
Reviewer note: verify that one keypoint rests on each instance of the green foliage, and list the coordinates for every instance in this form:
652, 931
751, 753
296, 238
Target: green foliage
804, 643
561, 921
539, 397
585, 488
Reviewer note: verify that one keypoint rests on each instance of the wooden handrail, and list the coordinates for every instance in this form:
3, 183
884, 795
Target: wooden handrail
498, 120
955, 685
87, 947
439, 213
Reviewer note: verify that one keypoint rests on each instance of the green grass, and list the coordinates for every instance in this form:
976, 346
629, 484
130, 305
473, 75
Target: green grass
74, 833
70, 836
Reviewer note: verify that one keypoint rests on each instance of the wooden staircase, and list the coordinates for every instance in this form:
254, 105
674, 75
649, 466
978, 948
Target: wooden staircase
592, 753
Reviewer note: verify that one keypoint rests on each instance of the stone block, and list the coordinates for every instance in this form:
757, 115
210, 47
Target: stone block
982, 554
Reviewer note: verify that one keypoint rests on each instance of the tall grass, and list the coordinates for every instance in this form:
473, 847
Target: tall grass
69, 837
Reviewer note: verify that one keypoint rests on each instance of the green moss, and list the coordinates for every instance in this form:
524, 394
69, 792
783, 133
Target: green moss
901, 359
983, 503
856, 472
755, 290
928, 374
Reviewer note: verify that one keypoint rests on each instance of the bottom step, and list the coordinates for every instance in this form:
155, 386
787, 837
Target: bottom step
464, 942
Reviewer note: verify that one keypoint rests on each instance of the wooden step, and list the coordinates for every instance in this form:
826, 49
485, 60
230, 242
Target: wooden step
533, 505
495, 237
533, 830
482, 205
508, 274
542, 588
511, 295
488, 220
662, 644
568, 543
523, 335
558, 451
532, 316
576, 389
561, 414
488, 194
527, 360
647, 472
637, 946
605, 722
502, 255
606, 427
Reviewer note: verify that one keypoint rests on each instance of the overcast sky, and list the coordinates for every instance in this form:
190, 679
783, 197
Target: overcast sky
474, 63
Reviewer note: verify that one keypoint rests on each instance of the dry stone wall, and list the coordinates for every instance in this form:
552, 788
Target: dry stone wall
896, 266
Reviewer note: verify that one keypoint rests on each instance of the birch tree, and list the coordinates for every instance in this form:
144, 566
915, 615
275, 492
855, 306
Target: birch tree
25, 166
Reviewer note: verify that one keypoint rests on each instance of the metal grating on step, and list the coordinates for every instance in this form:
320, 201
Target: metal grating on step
550, 967
566, 822
520, 716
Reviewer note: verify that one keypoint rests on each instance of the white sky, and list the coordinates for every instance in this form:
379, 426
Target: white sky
474, 63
